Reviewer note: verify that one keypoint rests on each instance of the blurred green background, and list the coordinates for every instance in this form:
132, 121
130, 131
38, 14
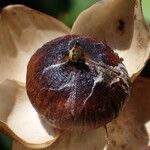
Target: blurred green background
66, 11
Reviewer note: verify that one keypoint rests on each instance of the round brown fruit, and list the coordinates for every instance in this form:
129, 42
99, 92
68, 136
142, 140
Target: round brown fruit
76, 82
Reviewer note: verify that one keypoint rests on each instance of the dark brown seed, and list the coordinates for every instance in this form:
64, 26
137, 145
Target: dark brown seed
76, 82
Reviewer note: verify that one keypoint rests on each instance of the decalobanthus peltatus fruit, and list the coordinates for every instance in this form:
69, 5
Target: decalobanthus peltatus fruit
76, 82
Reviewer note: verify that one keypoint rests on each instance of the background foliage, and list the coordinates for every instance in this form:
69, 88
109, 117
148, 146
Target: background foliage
66, 11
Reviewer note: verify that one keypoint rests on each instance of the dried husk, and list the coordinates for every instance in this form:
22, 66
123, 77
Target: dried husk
131, 130
120, 23
22, 32
20, 120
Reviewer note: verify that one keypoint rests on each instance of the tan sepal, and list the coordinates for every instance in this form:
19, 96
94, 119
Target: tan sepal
120, 23
22, 32
131, 130
19, 119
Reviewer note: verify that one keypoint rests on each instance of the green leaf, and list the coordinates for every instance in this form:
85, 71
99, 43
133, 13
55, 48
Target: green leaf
146, 10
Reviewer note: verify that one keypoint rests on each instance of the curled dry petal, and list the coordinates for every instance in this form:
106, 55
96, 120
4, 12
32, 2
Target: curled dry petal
91, 140
22, 32
131, 130
19, 119
121, 24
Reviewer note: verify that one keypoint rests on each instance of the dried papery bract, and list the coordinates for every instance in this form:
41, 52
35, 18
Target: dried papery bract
76, 82
16, 106
22, 31
94, 139
131, 130
121, 24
